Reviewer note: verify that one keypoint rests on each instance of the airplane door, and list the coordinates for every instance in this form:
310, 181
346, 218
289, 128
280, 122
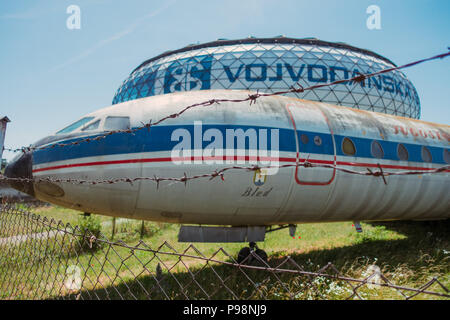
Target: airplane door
314, 143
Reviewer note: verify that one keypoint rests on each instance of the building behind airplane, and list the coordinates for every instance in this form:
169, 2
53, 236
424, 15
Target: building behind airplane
277, 64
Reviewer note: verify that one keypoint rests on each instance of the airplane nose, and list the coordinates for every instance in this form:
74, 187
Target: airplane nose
21, 167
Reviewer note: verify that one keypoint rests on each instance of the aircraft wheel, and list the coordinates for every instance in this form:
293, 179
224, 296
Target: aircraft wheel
243, 254
262, 254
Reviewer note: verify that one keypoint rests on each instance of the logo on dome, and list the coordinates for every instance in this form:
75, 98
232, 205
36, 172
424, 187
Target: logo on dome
188, 74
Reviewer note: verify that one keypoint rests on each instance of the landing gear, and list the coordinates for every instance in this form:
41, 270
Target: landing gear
251, 254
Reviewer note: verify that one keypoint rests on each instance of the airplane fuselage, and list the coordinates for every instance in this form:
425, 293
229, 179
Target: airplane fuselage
271, 132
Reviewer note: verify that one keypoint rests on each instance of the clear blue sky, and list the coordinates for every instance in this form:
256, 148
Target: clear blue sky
50, 75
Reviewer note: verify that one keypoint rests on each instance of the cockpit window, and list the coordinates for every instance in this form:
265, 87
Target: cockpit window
117, 123
75, 125
92, 126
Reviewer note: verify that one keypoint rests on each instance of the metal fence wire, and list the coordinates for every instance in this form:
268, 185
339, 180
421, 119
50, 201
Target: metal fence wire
46, 259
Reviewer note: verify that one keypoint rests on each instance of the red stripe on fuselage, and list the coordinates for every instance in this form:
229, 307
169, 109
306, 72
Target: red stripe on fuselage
168, 159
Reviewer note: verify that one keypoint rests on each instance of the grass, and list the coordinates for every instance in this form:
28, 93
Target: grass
407, 253
317, 236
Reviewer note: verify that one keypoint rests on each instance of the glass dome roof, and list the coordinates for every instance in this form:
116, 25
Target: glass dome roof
274, 64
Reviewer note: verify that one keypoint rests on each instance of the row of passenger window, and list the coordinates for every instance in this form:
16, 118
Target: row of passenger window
376, 150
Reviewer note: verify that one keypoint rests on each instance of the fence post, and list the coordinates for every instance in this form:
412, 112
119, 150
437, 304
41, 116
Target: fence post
113, 232
142, 229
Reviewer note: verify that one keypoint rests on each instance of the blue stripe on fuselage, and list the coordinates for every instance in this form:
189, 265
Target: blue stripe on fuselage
159, 139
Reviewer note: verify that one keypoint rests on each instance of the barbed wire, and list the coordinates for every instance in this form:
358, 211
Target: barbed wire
221, 173
251, 98
37, 255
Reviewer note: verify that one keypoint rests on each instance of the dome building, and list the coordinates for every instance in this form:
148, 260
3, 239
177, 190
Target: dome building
277, 64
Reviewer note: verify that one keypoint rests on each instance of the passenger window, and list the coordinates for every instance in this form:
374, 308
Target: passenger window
377, 150
402, 152
348, 147
317, 141
447, 156
304, 138
426, 155
117, 123
92, 126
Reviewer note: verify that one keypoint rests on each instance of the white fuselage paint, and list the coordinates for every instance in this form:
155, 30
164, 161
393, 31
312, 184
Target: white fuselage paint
289, 196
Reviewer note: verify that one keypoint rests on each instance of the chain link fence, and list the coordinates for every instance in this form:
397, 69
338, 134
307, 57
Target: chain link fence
46, 259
